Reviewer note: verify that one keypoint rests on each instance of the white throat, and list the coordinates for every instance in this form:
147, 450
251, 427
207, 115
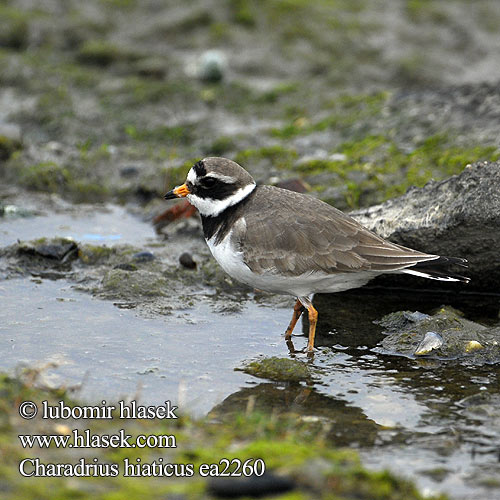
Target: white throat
211, 208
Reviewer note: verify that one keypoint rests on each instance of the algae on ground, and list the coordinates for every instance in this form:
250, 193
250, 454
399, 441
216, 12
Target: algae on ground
375, 169
127, 284
279, 369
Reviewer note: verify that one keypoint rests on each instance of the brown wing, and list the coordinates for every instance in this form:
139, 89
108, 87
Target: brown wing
292, 234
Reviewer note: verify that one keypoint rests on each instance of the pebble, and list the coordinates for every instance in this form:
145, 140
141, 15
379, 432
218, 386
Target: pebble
143, 256
431, 341
212, 66
473, 345
187, 261
129, 171
252, 486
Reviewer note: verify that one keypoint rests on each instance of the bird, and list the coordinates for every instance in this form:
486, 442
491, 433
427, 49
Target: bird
284, 242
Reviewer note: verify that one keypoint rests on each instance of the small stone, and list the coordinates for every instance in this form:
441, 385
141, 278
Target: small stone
473, 345
430, 342
187, 261
252, 486
143, 256
337, 157
212, 66
55, 147
129, 171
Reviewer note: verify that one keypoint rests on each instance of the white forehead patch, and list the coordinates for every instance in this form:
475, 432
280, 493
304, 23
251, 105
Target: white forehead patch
191, 177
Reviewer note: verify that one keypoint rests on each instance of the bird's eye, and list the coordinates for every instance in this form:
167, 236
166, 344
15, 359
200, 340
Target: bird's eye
208, 182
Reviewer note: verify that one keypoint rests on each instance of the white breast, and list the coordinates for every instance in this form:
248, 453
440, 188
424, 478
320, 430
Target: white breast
230, 259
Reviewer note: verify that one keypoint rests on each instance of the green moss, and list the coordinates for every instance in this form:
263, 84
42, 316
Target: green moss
413, 70
488, 18
14, 28
437, 157
386, 171
279, 369
220, 146
272, 96
161, 134
279, 156
219, 31
123, 284
93, 254
345, 111
124, 4
425, 11
243, 13
140, 91
53, 105
151, 67
54, 178
194, 20
8, 147
46, 176
76, 75
235, 97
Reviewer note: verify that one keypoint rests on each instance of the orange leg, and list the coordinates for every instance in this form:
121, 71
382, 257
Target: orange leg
298, 309
313, 319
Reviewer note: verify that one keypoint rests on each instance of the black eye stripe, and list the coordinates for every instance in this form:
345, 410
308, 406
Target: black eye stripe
218, 191
208, 182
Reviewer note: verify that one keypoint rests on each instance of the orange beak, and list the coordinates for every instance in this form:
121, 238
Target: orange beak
178, 192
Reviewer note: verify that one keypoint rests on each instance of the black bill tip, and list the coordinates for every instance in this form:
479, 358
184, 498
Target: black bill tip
170, 195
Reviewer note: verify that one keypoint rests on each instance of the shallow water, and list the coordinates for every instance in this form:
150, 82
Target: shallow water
437, 423
103, 225
188, 357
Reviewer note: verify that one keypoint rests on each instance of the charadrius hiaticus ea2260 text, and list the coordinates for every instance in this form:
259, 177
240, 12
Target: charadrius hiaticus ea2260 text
291, 243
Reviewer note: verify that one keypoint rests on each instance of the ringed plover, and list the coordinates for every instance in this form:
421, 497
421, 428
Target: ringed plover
291, 243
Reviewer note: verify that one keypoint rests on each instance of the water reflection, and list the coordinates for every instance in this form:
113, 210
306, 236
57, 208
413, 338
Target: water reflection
303, 402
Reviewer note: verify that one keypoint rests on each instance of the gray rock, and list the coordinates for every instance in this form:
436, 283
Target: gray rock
212, 66
143, 256
458, 217
59, 249
459, 338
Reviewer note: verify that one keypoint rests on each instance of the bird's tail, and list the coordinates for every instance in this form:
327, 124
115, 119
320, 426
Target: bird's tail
438, 269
